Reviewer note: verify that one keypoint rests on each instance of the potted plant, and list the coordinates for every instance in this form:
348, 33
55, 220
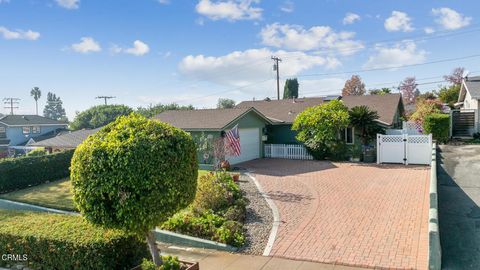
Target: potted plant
236, 177
169, 262
356, 152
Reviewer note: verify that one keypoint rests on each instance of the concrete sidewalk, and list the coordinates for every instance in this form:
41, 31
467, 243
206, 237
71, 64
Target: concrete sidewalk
218, 260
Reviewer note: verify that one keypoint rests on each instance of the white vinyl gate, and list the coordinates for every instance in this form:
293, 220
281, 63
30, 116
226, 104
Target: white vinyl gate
405, 149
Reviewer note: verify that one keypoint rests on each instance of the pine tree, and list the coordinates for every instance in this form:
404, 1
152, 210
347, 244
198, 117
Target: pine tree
54, 108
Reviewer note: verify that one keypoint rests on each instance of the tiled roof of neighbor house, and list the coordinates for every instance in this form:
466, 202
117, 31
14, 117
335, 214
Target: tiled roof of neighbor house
385, 105
473, 86
66, 140
204, 119
28, 120
283, 110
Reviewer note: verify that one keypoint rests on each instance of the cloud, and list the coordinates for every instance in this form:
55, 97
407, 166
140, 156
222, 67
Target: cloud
350, 18
139, 48
398, 21
295, 37
69, 4
231, 10
4, 1
164, 2
287, 6
429, 30
241, 68
450, 19
86, 45
402, 53
19, 34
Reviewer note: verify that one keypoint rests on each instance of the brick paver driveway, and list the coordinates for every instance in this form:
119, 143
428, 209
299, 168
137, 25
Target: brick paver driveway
344, 213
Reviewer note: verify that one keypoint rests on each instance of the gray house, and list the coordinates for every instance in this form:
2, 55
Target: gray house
16, 131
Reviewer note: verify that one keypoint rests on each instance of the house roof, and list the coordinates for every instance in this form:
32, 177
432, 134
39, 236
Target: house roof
385, 105
473, 86
29, 120
66, 140
285, 110
204, 119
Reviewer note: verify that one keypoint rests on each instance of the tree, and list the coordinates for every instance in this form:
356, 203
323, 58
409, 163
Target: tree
365, 120
54, 108
425, 108
225, 103
36, 94
426, 96
98, 116
290, 89
382, 91
449, 95
134, 174
408, 87
151, 111
318, 127
354, 87
456, 76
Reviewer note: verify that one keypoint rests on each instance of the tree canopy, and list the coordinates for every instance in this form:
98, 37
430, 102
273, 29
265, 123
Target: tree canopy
98, 116
449, 95
318, 127
225, 103
54, 108
151, 111
456, 76
291, 89
408, 89
364, 120
382, 91
354, 87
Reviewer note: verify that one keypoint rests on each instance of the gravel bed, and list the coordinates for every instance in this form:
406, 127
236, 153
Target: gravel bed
259, 218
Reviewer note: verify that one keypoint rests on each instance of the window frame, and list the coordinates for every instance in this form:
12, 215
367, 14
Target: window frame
345, 135
29, 130
36, 129
3, 129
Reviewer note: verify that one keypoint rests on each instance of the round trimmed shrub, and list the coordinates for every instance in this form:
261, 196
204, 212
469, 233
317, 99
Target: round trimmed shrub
134, 174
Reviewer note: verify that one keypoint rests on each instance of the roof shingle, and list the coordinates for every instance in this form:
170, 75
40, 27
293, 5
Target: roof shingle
28, 120
473, 86
67, 140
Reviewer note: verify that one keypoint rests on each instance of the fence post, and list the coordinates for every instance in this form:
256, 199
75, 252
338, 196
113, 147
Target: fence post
379, 137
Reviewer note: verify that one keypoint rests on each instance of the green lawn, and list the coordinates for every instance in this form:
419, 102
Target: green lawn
54, 195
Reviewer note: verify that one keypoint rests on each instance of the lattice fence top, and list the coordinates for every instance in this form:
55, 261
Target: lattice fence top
418, 139
392, 138
413, 127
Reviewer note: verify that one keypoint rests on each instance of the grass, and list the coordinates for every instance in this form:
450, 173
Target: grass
56, 194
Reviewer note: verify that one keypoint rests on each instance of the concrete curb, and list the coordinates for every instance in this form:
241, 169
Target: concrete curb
13, 205
276, 216
434, 248
190, 241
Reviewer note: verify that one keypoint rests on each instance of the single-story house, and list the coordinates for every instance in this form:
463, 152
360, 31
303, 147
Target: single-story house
65, 141
17, 131
469, 103
270, 121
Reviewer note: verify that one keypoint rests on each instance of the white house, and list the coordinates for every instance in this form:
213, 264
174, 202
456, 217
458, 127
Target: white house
468, 117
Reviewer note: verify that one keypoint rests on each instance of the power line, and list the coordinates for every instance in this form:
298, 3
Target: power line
11, 103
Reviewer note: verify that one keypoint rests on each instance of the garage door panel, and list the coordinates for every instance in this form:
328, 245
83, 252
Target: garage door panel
249, 145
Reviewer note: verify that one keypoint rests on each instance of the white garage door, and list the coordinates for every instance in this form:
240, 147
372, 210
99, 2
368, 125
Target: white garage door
249, 145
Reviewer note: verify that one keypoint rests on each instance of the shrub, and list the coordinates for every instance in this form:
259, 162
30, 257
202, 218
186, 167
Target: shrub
52, 241
438, 125
318, 127
211, 193
23, 172
169, 263
37, 152
424, 108
134, 174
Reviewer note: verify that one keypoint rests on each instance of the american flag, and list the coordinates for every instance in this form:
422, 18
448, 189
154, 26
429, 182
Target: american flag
233, 140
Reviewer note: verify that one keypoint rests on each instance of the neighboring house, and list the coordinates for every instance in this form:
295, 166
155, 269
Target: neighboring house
65, 140
270, 121
16, 131
467, 121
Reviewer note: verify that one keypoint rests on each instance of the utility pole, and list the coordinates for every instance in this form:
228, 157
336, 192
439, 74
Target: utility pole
276, 68
11, 103
105, 98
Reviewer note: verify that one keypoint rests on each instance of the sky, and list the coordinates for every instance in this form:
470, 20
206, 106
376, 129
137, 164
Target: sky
194, 52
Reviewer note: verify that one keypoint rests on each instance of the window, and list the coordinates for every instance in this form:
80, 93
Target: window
348, 135
36, 129
2, 130
26, 130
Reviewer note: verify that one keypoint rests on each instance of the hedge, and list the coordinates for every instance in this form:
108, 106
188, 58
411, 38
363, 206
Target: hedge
52, 241
18, 173
438, 125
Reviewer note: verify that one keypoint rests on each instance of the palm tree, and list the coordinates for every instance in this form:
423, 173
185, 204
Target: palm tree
365, 121
36, 94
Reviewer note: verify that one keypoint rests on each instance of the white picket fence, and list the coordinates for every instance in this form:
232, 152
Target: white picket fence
287, 151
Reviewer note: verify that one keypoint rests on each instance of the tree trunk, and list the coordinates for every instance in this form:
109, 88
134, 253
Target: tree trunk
153, 249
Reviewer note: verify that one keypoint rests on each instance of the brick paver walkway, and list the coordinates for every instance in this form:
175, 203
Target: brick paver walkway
352, 214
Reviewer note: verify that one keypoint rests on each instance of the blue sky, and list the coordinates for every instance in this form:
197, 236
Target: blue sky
193, 52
